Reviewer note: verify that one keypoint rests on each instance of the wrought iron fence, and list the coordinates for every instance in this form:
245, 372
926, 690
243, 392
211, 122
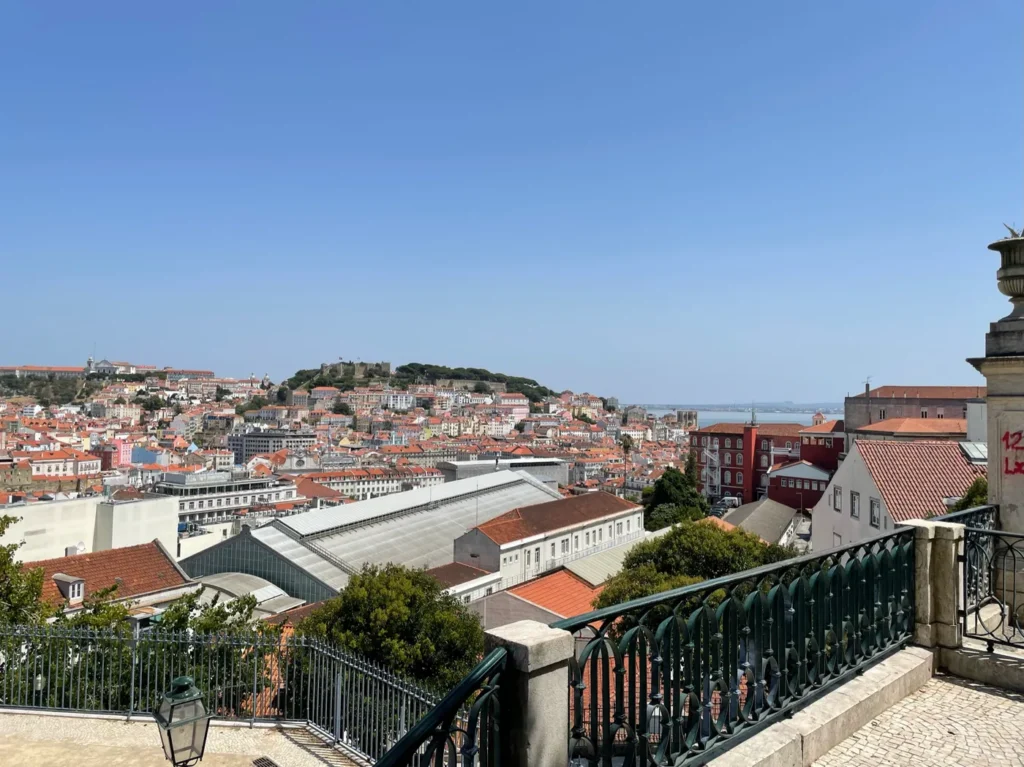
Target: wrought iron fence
253, 677
463, 730
993, 586
979, 552
675, 677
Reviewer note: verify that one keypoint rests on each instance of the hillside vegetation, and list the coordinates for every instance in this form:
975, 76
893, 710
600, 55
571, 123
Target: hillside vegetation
49, 391
422, 373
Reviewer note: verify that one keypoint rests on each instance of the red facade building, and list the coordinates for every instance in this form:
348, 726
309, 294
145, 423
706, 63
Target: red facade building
746, 454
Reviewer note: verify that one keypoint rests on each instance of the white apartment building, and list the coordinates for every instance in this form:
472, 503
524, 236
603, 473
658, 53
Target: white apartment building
374, 481
248, 444
398, 400
526, 542
50, 529
881, 484
209, 495
67, 462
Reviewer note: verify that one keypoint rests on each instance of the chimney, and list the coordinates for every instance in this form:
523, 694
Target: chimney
749, 450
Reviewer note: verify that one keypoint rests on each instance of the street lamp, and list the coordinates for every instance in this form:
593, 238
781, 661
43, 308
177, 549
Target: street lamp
183, 723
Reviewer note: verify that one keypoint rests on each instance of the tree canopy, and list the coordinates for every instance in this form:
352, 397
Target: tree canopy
689, 553
20, 590
674, 498
341, 408
405, 620
976, 495
256, 403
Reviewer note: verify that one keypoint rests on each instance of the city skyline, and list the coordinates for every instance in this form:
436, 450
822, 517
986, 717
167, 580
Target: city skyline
671, 204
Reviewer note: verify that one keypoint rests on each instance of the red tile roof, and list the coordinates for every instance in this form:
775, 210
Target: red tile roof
914, 477
141, 569
561, 592
454, 573
926, 392
913, 426
553, 515
829, 427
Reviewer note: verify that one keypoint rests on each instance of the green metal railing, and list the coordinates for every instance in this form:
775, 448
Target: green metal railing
463, 729
677, 677
254, 677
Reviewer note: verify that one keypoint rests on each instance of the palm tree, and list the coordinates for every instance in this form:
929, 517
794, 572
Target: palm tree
627, 445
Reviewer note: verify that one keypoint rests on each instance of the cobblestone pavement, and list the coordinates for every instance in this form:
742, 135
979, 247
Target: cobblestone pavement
28, 740
950, 721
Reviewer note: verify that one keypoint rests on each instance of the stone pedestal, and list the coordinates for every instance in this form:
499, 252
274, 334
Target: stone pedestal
534, 693
1003, 368
938, 583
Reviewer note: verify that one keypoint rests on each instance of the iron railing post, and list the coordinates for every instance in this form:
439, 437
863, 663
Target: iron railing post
337, 704
131, 684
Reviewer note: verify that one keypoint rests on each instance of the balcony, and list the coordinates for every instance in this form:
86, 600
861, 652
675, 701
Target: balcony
830, 658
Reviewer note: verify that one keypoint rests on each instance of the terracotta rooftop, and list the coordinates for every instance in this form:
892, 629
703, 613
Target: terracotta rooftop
913, 426
141, 569
553, 515
763, 429
925, 392
454, 573
829, 427
561, 592
915, 477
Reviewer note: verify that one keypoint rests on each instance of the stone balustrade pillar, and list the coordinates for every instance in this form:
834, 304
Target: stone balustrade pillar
938, 583
534, 693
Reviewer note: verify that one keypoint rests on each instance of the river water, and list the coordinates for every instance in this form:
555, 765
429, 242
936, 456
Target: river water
710, 417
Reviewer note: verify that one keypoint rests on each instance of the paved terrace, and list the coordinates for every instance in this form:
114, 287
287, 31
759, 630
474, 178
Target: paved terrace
949, 721
28, 740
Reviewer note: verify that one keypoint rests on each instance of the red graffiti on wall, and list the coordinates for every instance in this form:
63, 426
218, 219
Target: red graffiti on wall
1013, 440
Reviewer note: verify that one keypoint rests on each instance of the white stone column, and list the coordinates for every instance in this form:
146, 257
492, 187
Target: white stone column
1003, 368
938, 583
534, 693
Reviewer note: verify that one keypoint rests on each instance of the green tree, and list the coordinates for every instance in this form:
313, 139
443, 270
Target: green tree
221, 394
341, 408
151, 403
21, 590
282, 394
256, 403
627, 445
673, 487
100, 610
669, 514
120, 401
976, 495
481, 388
692, 472
581, 416
405, 620
521, 427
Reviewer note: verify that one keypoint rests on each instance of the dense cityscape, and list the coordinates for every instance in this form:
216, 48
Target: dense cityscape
512, 385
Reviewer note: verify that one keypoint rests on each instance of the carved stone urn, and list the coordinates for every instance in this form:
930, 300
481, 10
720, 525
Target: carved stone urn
1011, 273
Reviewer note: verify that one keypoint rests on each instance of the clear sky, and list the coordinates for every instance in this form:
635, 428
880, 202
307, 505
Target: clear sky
664, 201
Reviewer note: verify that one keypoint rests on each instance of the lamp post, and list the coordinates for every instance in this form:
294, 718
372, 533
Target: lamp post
183, 723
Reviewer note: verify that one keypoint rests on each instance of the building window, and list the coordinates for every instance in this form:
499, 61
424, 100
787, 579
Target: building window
618, 528
609, 531
704, 441
715, 442
536, 556
586, 539
854, 505
490, 590
728, 443
600, 533
527, 556
924, 412
552, 549
764, 462
828, 442
627, 525
881, 414
940, 413
764, 444
739, 443
727, 478
837, 498
739, 477
739, 459
728, 459
789, 446
764, 480
876, 511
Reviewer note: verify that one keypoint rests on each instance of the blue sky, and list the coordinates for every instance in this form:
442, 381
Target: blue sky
663, 201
